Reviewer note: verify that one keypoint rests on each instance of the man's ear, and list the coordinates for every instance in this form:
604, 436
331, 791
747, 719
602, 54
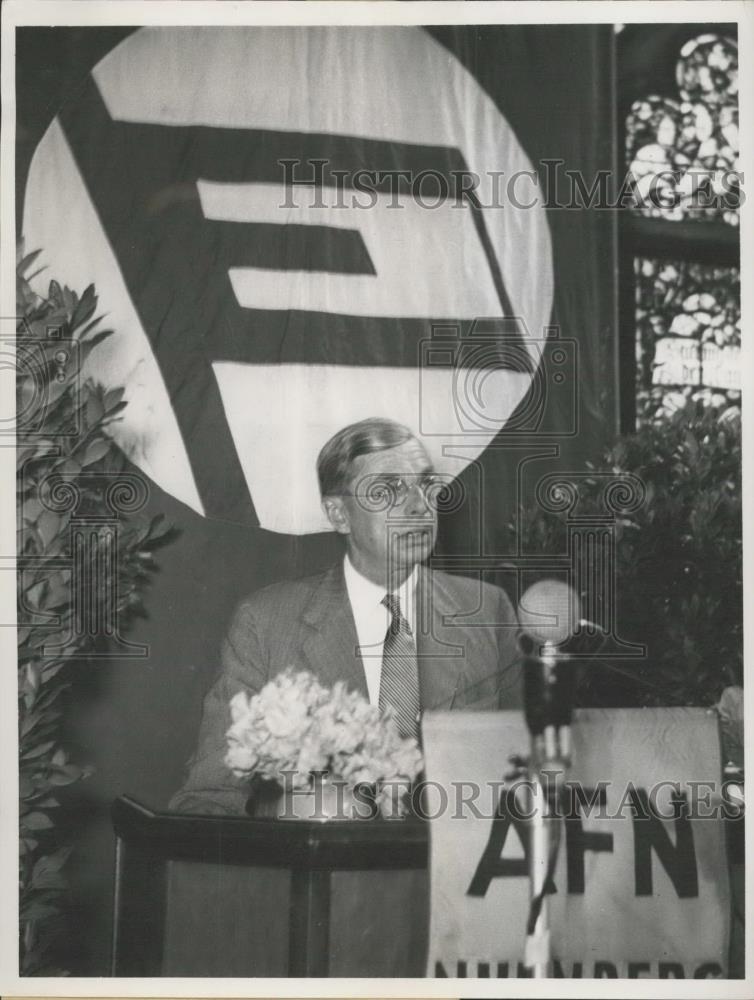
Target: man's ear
336, 514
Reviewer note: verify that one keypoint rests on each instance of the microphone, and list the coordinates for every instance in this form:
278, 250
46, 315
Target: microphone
549, 613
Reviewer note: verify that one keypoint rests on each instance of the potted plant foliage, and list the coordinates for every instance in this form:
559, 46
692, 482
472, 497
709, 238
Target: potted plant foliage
678, 559
67, 468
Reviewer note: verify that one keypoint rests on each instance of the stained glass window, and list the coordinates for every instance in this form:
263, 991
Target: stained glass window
682, 148
688, 335
682, 153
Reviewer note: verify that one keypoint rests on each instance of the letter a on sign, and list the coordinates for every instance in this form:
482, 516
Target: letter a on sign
492, 864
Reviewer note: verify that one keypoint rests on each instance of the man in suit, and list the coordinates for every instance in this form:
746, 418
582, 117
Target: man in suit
407, 637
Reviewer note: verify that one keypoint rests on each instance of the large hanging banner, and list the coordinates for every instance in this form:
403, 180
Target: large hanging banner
641, 882
294, 240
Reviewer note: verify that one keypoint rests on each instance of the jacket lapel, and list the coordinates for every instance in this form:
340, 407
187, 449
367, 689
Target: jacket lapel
441, 657
331, 647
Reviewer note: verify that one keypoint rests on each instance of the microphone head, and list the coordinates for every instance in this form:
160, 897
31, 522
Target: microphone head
549, 611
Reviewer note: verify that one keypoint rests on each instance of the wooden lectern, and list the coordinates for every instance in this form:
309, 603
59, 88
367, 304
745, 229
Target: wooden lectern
230, 896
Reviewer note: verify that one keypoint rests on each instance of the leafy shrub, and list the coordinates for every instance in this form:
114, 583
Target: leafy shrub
678, 558
66, 466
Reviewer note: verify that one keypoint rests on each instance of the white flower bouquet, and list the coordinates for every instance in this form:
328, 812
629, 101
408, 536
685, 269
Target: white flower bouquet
294, 729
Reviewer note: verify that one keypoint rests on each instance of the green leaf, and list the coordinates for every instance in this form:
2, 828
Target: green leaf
26, 787
80, 334
84, 308
91, 342
47, 802
50, 669
69, 467
35, 594
59, 584
49, 880
95, 410
48, 526
113, 397
111, 413
46, 874
28, 724
162, 537
31, 509
28, 845
24, 452
37, 821
38, 751
56, 389
33, 911
45, 701
25, 263
96, 450
47, 728
68, 773
32, 678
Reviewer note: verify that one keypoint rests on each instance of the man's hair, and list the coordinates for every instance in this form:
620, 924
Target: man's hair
364, 438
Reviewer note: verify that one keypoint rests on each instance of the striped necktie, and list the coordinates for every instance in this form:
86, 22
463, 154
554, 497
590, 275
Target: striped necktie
399, 681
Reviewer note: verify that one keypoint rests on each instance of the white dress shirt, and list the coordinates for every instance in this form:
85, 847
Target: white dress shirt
372, 619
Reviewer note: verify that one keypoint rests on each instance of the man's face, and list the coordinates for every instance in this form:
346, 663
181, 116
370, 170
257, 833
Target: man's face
387, 515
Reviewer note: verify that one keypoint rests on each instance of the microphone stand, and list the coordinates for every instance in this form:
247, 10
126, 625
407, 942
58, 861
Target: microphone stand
548, 689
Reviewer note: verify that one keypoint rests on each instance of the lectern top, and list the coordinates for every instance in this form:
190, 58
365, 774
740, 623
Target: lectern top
303, 844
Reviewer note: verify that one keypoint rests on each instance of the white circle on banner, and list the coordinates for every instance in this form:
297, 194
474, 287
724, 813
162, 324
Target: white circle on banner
428, 259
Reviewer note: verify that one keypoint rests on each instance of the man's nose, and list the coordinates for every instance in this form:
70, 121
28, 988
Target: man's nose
417, 504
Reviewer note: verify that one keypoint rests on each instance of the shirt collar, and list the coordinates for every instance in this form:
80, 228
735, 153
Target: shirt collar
364, 592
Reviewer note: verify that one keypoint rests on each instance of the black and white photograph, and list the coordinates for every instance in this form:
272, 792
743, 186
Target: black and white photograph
375, 380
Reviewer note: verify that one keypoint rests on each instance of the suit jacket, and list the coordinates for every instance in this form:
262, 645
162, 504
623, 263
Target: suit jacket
466, 654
